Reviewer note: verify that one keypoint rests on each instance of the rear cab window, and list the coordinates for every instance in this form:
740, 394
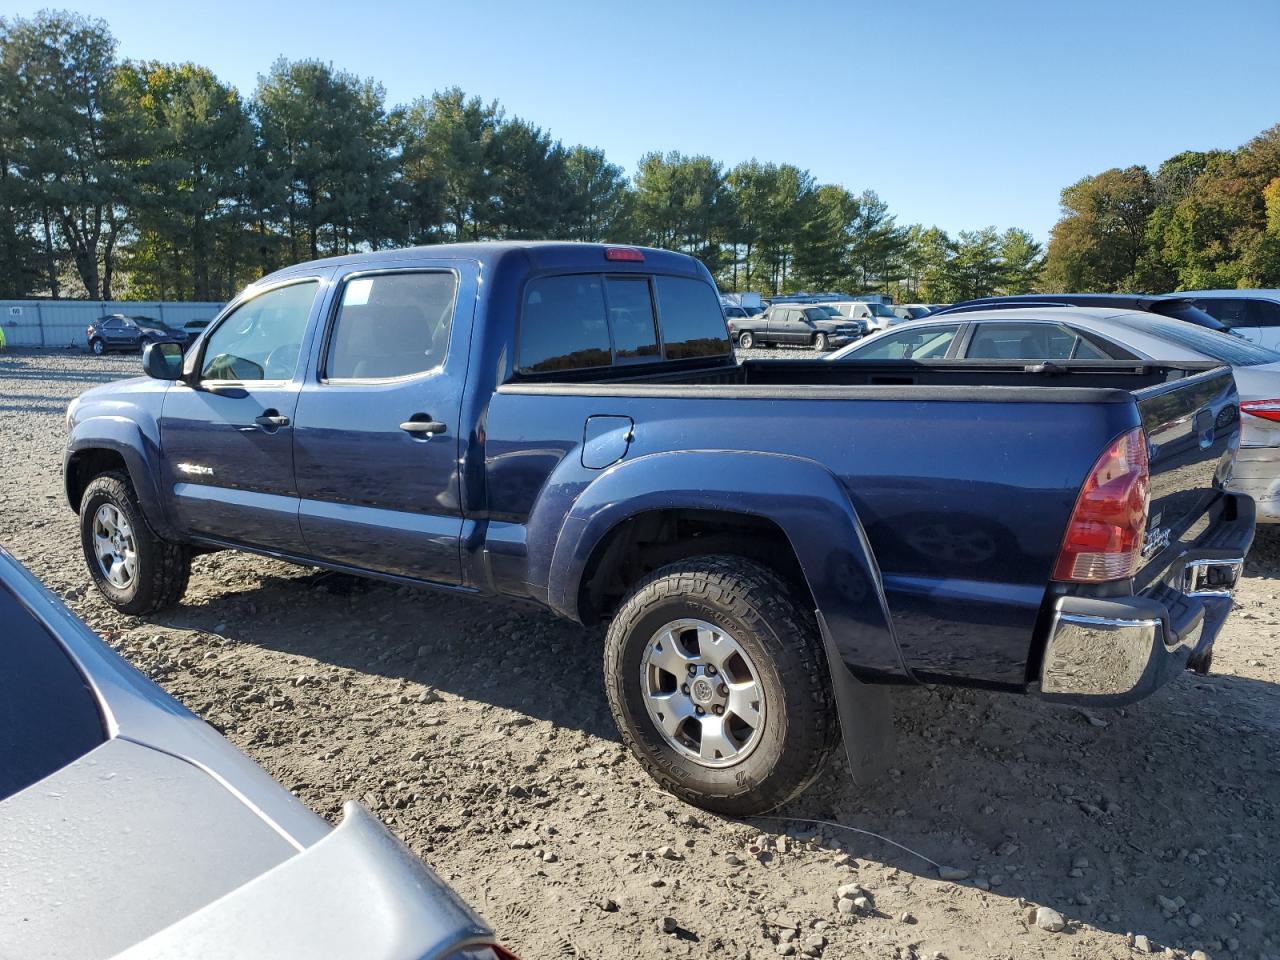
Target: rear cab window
596, 321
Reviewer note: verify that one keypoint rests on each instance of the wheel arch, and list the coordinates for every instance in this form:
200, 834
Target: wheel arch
115, 443
805, 525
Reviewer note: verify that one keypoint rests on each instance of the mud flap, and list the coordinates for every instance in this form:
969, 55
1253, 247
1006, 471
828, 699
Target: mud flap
866, 715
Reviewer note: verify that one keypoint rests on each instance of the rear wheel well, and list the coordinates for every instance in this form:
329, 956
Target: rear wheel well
87, 464
647, 541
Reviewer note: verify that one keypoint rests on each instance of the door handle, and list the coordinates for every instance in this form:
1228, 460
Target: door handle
421, 425
271, 420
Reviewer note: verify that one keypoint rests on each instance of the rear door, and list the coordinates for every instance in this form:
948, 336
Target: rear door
120, 333
787, 327
227, 441
376, 440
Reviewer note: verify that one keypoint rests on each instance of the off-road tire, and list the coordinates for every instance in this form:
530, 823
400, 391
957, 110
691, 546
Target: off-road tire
746, 341
163, 567
97, 347
753, 604
820, 342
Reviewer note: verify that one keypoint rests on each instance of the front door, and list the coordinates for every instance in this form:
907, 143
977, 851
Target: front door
376, 440
227, 440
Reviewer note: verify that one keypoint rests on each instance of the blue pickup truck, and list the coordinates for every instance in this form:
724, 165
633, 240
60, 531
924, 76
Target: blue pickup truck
772, 544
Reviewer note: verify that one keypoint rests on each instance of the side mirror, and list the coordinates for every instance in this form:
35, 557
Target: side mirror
162, 361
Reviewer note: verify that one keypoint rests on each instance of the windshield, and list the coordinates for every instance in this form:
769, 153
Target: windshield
1218, 346
880, 310
1188, 311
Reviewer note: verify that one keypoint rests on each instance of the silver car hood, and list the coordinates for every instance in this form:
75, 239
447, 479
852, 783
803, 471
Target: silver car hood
357, 893
118, 845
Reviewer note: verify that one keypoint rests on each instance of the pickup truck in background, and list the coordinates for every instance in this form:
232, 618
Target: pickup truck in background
772, 544
816, 325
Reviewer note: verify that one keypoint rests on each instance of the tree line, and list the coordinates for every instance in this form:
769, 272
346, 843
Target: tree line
127, 179
1203, 220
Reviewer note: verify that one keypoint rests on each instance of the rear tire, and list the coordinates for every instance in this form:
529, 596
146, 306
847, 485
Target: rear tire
820, 342
135, 570
746, 341
775, 653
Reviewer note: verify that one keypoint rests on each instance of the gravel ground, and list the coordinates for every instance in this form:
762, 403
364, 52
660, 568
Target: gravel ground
480, 733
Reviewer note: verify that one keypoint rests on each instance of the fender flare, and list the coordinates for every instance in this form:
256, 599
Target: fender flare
138, 450
801, 496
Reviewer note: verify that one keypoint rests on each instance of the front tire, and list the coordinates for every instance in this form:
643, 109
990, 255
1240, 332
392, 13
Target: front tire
746, 341
97, 346
135, 570
722, 635
820, 342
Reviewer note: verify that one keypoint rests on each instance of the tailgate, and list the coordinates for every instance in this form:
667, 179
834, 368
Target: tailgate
1193, 430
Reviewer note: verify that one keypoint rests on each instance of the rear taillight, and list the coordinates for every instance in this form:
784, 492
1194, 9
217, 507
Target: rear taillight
1104, 537
1266, 409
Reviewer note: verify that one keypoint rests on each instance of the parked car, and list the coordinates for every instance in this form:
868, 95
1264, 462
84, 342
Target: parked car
1061, 333
117, 331
876, 316
771, 543
1253, 314
737, 313
131, 829
817, 325
1178, 307
911, 311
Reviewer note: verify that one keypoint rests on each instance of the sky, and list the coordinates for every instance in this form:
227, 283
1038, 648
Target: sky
958, 114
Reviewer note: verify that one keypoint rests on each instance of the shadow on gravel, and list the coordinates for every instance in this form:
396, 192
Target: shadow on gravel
1094, 813
509, 656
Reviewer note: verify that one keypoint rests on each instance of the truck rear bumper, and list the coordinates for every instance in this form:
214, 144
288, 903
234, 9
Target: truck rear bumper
1117, 650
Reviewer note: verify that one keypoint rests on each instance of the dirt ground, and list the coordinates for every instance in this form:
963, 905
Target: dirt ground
480, 733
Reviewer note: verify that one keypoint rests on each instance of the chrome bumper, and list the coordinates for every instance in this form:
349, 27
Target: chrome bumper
1120, 650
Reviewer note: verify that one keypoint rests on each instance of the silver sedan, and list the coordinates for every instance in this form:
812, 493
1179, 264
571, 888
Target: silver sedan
1067, 334
130, 829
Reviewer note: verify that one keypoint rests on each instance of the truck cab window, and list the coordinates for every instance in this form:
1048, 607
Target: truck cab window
691, 324
635, 338
391, 325
563, 325
261, 339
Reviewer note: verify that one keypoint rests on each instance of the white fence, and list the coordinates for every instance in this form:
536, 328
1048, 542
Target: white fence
61, 323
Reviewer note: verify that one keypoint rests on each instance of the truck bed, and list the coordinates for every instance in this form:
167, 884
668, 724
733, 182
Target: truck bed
877, 379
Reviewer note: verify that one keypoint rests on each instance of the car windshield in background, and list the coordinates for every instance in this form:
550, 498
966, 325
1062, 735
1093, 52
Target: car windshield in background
48, 715
1188, 311
880, 310
822, 313
1220, 346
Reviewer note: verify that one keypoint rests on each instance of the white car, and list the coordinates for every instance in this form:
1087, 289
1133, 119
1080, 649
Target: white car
1066, 334
878, 316
1252, 314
